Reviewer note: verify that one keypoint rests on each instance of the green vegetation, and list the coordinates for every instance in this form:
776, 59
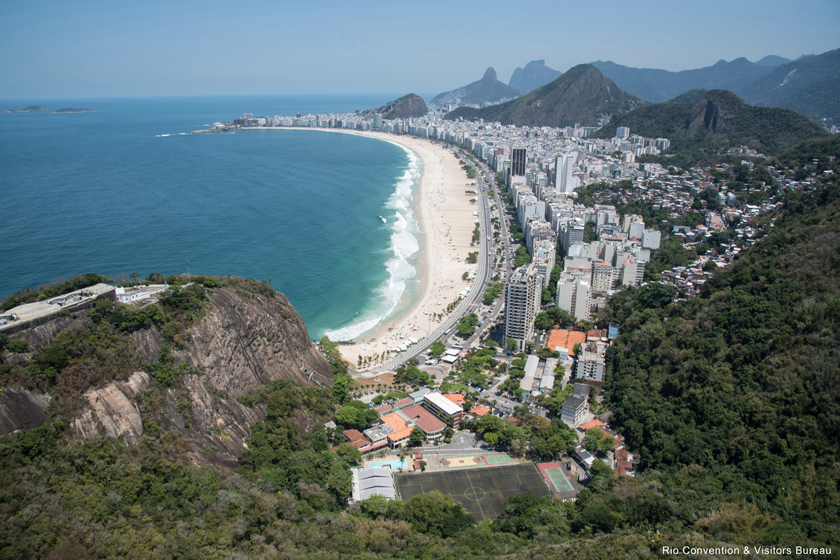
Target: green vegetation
580, 96
412, 375
521, 257
728, 396
437, 348
590, 232
721, 120
537, 437
492, 292
477, 368
356, 414
553, 316
466, 325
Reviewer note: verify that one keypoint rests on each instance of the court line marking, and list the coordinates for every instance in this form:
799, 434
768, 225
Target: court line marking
499, 490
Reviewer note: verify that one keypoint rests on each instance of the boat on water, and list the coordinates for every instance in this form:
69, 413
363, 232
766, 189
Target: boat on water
384, 221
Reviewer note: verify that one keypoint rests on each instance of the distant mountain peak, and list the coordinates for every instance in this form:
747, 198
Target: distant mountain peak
773, 60
534, 75
486, 90
407, 107
580, 96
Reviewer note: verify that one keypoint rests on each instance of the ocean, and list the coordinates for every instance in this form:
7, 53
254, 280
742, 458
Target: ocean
105, 192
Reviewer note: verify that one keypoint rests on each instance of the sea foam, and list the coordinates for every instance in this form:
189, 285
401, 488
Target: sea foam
404, 248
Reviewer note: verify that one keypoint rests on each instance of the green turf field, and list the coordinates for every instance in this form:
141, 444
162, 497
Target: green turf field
502, 459
559, 480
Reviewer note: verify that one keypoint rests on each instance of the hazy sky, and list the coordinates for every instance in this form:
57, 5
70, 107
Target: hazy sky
149, 47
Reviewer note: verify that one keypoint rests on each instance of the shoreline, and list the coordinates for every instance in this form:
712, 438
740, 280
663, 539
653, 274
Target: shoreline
445, 217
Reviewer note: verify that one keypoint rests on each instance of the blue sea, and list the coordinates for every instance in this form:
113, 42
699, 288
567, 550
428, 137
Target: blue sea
105, 192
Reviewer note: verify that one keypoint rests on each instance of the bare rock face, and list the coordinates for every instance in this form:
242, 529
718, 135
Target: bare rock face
21, 409
244, 343
217, 424
112, 412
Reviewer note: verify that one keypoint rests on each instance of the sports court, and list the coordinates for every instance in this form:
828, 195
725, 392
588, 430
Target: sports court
470, 460
561, 482
481, 491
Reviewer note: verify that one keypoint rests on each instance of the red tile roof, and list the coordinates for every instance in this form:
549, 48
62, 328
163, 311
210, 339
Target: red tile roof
591, 424
403, 402
357, 438
424, 419
480, 411
456, 398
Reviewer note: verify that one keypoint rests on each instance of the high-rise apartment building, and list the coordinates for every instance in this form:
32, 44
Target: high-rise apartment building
522, 302
518, 157
564, 179
574, 295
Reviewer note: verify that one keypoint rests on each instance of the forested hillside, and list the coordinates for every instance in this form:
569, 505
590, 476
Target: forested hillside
733, 398
717, 120
730, 400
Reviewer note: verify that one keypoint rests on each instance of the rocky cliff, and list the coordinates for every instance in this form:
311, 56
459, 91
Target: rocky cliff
112, 411
242, 342
406, 107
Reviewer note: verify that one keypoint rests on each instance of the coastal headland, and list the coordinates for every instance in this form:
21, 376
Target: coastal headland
445, 216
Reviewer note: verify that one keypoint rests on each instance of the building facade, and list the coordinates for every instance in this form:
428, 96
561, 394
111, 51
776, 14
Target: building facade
522, 300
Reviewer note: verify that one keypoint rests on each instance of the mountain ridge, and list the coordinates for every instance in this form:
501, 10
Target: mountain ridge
534, 75
580, 96
719, 119
809, 85
486, 90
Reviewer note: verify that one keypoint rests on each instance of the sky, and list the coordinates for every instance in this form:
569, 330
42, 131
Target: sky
93, 48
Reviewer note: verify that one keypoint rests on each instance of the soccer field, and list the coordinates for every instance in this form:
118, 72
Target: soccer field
481, 491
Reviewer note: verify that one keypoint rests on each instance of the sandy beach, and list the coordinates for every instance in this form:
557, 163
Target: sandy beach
445, 215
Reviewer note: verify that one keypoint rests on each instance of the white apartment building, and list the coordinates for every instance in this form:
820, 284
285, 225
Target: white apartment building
574, 295
523, 295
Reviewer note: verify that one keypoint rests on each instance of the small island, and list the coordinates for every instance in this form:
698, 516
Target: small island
71, 110
30, 109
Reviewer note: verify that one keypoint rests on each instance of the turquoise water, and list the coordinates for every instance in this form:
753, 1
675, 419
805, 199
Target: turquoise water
395, 464
104, 192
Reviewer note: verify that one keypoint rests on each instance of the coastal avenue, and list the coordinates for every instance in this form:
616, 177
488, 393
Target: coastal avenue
473, 299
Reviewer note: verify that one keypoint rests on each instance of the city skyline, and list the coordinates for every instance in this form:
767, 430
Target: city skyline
93, 48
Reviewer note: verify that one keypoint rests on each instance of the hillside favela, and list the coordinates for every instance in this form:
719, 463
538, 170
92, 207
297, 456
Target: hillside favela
265, 297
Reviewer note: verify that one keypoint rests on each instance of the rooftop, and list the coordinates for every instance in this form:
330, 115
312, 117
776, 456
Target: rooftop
36, 309
378, 433
480, 411
591, 424
372, 481
444, 404
456, 398
559, 338
424, 419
